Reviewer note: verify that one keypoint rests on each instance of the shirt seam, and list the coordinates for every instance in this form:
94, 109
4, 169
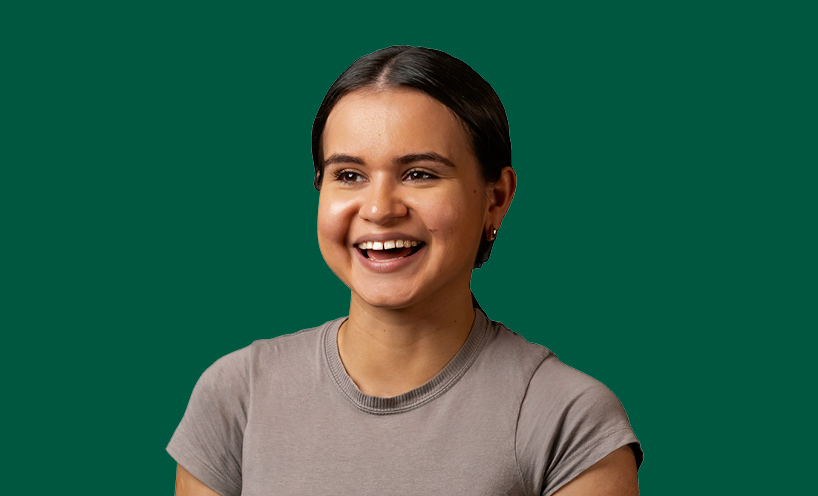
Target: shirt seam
517, 424
585, 450
213, 469
442, 388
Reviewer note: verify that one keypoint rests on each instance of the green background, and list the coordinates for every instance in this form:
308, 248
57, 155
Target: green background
158, 213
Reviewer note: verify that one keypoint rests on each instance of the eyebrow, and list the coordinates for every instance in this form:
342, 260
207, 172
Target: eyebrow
404, 160
342, 159
424, 157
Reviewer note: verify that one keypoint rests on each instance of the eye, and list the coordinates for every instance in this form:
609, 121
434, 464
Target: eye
419, 175
347, 176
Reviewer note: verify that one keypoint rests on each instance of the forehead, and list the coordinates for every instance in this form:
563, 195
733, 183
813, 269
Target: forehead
394, 121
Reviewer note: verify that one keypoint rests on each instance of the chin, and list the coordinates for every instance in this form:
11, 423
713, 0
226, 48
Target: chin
387, 300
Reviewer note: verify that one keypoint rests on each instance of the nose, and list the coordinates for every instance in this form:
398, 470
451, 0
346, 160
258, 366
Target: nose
382, 203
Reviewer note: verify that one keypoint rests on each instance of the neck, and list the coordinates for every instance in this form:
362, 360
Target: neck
388, 352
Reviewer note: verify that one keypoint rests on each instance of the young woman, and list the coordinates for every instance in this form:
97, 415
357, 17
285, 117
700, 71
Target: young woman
416, 391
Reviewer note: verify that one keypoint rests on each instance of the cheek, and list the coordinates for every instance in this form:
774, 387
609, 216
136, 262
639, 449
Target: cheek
334, 218
456, 221
445, 221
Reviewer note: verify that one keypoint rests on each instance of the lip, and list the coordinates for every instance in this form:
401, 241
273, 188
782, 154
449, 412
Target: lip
390, 266
384, 237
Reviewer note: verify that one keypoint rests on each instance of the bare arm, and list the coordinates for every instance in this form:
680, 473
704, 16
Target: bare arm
187, 485
614, 475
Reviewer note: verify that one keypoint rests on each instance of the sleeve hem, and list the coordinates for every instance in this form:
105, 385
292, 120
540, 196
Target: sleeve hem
203, 471
593, 452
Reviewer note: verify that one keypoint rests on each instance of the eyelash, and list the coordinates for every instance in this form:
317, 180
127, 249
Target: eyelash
339, 176
342, 176
429, 175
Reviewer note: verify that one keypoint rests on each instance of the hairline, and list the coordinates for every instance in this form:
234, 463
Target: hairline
381, 85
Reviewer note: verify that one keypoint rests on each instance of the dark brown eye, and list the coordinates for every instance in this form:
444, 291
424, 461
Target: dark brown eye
419, 175
348, 177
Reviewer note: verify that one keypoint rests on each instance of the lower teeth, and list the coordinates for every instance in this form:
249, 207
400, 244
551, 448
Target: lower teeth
385, 259
412, 252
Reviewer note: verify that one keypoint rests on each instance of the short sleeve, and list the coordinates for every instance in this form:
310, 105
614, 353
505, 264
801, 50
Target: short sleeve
208, 441
568, 422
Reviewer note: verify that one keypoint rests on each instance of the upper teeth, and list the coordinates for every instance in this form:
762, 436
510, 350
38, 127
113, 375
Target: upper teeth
386, 245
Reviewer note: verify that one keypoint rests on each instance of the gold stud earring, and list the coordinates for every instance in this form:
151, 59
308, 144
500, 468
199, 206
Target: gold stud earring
492, 235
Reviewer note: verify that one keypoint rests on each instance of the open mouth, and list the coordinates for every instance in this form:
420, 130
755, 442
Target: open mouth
388, 251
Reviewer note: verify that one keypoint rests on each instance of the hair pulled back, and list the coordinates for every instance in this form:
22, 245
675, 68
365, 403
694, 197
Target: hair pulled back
443, 77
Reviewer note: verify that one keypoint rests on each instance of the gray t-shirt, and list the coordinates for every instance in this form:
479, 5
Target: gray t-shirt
504, 417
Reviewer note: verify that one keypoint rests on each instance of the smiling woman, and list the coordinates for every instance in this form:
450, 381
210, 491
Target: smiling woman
400, 167
416, 391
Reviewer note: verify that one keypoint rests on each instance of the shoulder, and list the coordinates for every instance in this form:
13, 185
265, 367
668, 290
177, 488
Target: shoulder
560, 397
288, 349
563, 384
209, 440
504, 346
561, 400
550, 381
233, 372
567, 422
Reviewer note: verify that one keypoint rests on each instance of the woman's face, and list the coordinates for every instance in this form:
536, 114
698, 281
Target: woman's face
399, 175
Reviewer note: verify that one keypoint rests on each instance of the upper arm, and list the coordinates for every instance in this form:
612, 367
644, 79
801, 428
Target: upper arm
187, 485
614, 475
568, 422
208, 441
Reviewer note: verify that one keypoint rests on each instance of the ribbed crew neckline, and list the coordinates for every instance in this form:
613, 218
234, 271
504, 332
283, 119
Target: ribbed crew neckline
417, 397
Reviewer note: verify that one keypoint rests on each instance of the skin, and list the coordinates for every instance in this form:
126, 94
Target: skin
404, 325
188, 485
399, 164
614, 475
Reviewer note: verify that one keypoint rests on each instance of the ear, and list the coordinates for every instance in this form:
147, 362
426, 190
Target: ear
500, 194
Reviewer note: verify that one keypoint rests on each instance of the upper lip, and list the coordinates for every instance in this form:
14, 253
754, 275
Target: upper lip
384, 237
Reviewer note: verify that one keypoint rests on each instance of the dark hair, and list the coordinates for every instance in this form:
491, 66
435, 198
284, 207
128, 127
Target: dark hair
443, 77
